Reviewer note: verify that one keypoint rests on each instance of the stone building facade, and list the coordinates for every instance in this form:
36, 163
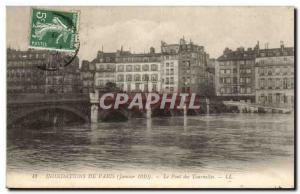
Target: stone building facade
170, 72
274, 72
138, 72
264, 76
24, 76
235, 75
105, 70
180, 67
87, 76
64, 80
190, 67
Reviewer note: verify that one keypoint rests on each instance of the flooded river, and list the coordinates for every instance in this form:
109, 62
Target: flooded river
227, 142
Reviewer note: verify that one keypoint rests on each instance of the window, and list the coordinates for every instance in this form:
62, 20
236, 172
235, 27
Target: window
277, 70
235, 80
129, 68
171, 80
285, 100
154, 77
128, 77
248, 80
277, 83
110, 67
145, 77
145, 67
262, 83
235, 90
167, 72
137, 77
285, 83
262, 99
121, 68
222, 80
270, 69
121, 78
265, 70
284, 71
242, 80
242, 90
222, 90
100, 83
137, 86
167, 80
222, 71
228, 80
154, 67
154, 87
171, 71
137, 68
289, 83
248, 90
228, 90
128, 86
270, 100
167, 65
270, 83
248, 70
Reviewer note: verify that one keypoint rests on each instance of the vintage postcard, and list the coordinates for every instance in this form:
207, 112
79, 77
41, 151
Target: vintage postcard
150, 97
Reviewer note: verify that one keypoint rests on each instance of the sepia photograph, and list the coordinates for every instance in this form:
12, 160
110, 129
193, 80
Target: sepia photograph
156, 97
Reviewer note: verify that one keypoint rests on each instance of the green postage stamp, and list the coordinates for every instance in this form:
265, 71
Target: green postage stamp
53, 30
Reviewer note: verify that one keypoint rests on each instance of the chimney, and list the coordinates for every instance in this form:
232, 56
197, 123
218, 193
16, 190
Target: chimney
240, 49
266, 45
226, 51
182, 41
152, 50
281, 45
256, 48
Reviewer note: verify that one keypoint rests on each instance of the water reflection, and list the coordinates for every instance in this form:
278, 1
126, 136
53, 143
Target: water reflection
212, 142
149, 124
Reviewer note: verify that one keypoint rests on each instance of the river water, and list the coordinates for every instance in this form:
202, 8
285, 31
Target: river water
227, 142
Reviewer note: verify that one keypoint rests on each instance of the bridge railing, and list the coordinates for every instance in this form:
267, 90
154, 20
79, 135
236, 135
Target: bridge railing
37, 97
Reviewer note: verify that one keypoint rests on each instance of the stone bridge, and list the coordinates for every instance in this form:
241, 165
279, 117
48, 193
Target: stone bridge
98, 113
28, 105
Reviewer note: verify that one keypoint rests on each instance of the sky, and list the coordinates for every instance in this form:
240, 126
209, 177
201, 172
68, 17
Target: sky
139, 28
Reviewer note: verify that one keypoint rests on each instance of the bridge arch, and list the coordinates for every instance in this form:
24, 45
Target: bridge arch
66, 108
104, 114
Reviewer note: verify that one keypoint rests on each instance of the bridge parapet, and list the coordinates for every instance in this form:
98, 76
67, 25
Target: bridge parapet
35, 98
21, 105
